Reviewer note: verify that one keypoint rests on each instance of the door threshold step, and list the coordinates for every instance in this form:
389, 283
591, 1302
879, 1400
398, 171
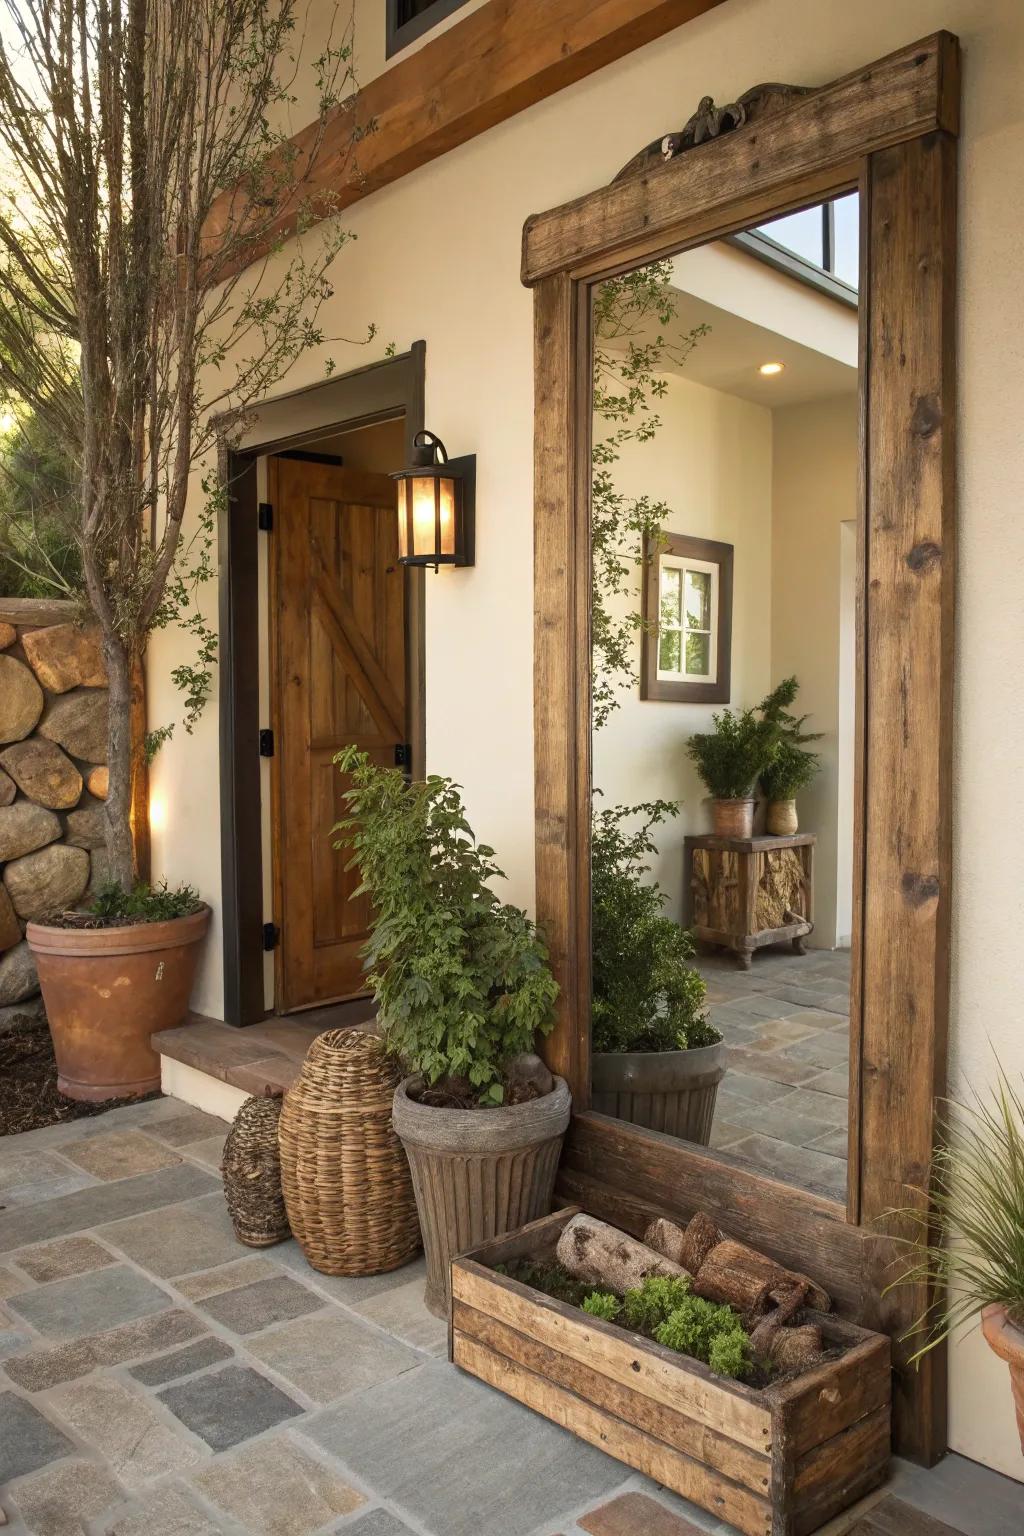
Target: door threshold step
260, 1059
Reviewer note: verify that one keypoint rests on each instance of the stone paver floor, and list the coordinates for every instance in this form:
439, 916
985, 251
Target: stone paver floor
158, 1379
783, 1103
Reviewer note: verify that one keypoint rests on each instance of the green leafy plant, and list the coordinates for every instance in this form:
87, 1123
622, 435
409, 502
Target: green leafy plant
646, 995
967, 1232
602, 1304
145, 903
632, 314
731, 758
792, 766
462, 979
648, 1305
708, 1332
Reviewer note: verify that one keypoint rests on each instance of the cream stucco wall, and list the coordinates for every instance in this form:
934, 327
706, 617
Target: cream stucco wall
711, 463
814, 491
457, 285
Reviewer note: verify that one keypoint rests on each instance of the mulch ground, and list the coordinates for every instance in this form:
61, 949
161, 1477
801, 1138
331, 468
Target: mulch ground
28, 1082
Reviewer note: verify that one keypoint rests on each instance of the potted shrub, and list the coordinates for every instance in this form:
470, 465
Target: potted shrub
657, 1059
792, 766
970, 1231
463, 987
111, 977
136, 332
730, 760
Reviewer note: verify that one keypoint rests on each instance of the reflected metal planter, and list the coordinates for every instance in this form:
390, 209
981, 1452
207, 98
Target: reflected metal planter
670, 1091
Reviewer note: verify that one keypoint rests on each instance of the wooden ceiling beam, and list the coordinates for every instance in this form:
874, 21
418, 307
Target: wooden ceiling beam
500, 60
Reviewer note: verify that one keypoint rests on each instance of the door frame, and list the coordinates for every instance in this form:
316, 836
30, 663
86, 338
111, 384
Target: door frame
378, 392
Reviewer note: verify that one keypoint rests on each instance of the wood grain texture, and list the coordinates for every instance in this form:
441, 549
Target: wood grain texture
496, 62
909, 93
909, 710
338, 637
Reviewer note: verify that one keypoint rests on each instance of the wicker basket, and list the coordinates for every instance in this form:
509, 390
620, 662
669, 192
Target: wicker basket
251, 1167
344, 1172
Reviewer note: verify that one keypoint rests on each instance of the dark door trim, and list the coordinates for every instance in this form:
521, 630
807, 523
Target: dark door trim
376, 393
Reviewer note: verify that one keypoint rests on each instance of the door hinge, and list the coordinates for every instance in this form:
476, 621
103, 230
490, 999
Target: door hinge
271, 935
403, 754
266, 743
265, 517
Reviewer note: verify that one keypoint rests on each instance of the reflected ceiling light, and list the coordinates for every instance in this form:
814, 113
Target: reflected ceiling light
771, 368
436, 506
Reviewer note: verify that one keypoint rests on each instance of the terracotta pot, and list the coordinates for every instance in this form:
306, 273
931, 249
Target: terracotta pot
106, 991
781, 819
478, 1173
670, 1091
1008, 1343
732, 818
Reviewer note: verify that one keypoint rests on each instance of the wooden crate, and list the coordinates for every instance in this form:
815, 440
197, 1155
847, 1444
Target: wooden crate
731, 887
779, 1461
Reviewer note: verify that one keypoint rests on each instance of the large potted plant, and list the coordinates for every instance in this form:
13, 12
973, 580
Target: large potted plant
967, 1243
791, 766
463, 988
730, 760
657, 1059
147, 165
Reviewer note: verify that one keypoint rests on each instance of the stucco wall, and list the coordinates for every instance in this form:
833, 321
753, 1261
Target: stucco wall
457, 285
711, 462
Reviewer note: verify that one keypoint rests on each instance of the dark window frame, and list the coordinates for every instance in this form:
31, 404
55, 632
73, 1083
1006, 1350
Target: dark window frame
711, 552
399, 32
779, 256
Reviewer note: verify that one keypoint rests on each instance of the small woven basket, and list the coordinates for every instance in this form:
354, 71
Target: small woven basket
251, 1166
345, 1175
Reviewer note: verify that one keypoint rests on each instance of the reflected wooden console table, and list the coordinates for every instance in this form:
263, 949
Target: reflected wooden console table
742, 893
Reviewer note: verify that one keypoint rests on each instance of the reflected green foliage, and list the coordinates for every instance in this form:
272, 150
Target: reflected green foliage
792, 766
731, 758
462, 979
631, 352
647, 996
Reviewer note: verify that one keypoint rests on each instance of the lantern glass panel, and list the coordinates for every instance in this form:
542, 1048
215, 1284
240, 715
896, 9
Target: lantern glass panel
424, 514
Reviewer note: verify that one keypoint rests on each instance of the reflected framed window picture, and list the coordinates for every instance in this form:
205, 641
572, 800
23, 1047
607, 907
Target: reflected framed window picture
687, 620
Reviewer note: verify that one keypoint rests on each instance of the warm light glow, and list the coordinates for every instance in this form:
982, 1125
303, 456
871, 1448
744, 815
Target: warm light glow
8, 421
424, 515
157, 813
771, 368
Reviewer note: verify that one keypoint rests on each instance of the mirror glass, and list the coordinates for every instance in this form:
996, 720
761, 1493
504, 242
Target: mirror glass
724, 596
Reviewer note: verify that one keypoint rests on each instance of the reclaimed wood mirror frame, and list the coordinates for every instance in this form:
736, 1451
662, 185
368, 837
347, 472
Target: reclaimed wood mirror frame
888, 131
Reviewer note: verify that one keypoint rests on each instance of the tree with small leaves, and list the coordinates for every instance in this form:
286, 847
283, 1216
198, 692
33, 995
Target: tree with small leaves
148, 162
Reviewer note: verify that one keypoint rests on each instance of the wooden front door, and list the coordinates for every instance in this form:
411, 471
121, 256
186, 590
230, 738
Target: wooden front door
337, 610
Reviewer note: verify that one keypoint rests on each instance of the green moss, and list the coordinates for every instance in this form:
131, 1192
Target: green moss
650, 1304
602, 1304
707, 1332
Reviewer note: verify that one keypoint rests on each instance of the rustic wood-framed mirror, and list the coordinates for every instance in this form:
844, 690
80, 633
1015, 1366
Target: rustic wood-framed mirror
888, 134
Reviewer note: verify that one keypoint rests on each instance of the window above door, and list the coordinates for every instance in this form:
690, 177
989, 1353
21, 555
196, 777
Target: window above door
408, 20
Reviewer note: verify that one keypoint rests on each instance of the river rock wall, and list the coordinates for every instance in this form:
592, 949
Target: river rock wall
53, 778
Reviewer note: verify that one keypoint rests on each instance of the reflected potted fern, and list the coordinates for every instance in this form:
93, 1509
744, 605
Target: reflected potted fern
970, 1231
657, 1058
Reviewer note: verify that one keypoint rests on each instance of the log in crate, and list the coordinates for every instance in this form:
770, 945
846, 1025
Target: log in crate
776, 1461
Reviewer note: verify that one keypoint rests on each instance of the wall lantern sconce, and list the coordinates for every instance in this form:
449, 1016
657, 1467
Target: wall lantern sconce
436, 506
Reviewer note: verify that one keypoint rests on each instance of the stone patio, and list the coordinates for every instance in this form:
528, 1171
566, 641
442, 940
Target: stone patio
783, 1104
158, 1379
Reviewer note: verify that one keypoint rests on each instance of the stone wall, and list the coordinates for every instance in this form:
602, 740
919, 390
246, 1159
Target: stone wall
53, 747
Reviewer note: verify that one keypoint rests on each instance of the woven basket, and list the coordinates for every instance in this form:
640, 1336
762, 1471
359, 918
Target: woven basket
344, 1172
251, 1166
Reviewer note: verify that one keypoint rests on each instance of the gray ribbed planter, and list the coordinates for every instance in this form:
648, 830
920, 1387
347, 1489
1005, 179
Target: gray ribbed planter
670, 1091
478, 1173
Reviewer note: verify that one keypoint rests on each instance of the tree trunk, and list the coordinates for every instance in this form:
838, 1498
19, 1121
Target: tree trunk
603, 1256
120, 851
